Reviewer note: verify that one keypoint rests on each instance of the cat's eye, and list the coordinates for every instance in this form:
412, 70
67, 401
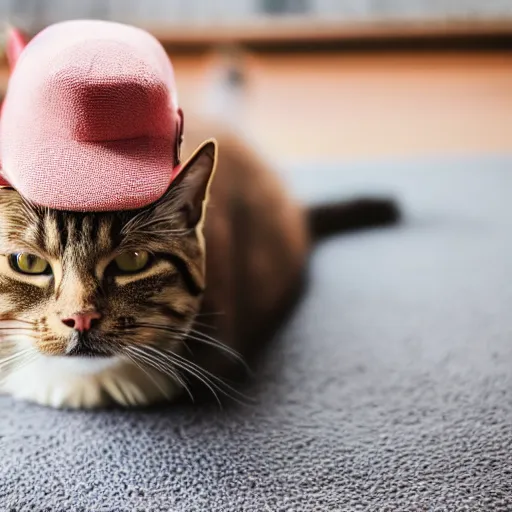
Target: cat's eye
133, 261
26, 263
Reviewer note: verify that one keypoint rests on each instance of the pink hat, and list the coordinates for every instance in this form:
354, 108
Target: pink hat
90, 121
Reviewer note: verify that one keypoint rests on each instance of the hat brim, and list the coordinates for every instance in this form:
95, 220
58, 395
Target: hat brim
91, 176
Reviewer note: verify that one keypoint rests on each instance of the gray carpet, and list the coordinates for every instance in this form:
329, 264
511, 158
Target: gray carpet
390, 389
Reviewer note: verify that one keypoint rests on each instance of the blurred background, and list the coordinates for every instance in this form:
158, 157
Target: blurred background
328, 80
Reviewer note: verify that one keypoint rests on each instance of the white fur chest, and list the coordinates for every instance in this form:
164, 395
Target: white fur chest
63, 382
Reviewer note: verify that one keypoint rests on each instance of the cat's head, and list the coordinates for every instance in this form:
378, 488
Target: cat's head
102, 285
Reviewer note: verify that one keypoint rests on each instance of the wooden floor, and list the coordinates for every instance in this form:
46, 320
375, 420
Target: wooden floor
359, 106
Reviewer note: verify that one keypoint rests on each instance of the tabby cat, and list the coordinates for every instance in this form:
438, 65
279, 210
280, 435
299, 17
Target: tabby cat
173, 294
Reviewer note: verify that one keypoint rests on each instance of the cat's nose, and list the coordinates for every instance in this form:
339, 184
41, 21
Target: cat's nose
82, 321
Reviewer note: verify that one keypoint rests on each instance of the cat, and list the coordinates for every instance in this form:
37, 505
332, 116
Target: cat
178, 292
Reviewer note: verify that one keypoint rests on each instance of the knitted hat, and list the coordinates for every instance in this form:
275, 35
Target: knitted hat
90, 121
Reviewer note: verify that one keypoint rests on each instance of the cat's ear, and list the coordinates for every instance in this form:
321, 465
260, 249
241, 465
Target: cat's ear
188, 193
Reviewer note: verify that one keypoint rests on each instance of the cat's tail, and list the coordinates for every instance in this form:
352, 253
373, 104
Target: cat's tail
339, 217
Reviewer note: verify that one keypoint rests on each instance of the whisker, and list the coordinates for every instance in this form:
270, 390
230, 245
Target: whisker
22, 360
204, 324
157, 365
11, 340
211, 376
202, 379
17, 320
134, 361
200, 337
198, 376
13, 357
147, 359
201, 374
29, 329
24, 363
209, 340
187, 348
19, 330
165, 369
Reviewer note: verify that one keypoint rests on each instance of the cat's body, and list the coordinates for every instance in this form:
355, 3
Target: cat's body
184, 317
257, 244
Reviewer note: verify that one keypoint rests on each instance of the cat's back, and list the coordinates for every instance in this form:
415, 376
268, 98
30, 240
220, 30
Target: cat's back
256, 239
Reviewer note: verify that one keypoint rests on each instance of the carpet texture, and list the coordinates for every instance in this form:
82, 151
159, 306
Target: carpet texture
390, 389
